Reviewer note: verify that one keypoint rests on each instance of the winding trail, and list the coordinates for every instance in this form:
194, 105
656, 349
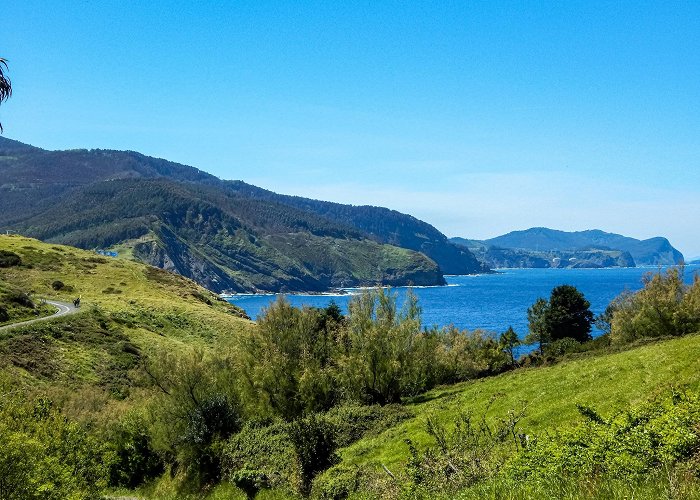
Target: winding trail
64, 309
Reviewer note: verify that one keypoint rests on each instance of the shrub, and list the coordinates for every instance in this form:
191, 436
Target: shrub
464, 355
20, 298
260, 456
562, 346
45, 456
665, 306
195, 414
339, 482
655, 435
464, 454
135, 459
314, 439
9, 259
353, 421
57, 285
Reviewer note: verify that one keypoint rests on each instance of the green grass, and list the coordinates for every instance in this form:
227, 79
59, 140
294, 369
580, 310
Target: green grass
606, 382
128, 308
656, 486
114, 285
14, 308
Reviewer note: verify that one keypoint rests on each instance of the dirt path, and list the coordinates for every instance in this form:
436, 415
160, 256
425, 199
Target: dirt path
64, 309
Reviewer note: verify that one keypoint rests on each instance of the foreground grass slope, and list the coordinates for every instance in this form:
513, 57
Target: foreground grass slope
549, 394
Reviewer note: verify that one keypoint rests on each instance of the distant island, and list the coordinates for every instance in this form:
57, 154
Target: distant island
541, 247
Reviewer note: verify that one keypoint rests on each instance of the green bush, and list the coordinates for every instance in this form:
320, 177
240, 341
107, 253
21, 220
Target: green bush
302, 361
314, 439
20, 298
562, 346
633, 443
665, 306
45, 456
260, 456
9, 259
196, 413
353, 421
466, 453
338, 483
135, 461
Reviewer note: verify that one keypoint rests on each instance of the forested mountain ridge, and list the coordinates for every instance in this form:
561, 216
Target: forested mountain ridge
539, 246
227, 235
382, 225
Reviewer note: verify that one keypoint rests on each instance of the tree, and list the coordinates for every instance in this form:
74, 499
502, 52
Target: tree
198, 410
509, 341
567, 314
665, 306
287, 360
381, 361
5, 84
537, 324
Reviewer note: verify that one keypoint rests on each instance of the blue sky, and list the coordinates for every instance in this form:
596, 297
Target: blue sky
478, 117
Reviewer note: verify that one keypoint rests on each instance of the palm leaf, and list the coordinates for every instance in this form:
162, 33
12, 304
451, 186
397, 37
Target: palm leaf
5, 84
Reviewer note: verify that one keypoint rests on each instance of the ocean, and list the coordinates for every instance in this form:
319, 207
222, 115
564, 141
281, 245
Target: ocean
489, 301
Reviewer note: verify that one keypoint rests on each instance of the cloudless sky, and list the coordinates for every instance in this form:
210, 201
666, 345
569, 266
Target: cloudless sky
478, 117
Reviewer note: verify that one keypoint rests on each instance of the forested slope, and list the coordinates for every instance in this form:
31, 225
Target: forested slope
227, 235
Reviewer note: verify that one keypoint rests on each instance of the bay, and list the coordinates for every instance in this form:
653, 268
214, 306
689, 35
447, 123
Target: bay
488, 301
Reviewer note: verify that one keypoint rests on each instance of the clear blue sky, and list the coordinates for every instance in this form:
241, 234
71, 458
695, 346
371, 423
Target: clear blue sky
478, 117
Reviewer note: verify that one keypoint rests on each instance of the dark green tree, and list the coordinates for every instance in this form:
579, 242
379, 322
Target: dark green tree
508, 341
537, 323
569, 314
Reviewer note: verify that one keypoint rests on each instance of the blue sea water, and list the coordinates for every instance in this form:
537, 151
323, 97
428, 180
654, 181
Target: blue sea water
490, 301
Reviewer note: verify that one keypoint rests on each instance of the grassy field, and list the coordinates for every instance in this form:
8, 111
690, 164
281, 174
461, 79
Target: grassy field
126, 308
549, 394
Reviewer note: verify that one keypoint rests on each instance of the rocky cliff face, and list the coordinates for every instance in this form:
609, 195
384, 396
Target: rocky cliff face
177, 258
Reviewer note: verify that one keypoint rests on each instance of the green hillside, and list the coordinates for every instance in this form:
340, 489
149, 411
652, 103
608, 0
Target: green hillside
128, 308
225, 235
549, 394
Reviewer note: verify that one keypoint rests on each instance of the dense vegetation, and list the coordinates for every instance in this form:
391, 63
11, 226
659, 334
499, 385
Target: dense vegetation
225, 235
159, 389
380, 224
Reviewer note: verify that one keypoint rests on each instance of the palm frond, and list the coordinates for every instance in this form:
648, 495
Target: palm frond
5, 84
